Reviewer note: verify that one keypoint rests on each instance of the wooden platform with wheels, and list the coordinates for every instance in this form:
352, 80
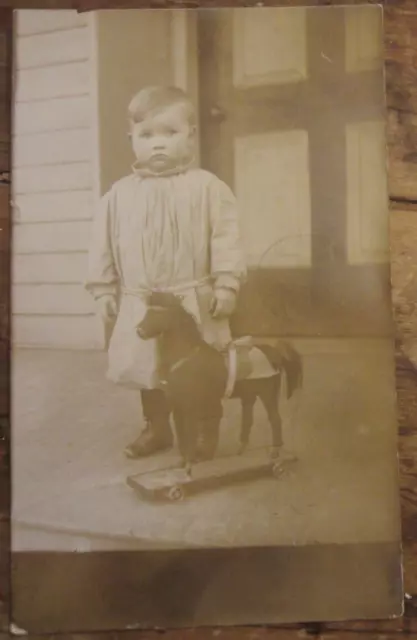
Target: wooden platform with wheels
174, 484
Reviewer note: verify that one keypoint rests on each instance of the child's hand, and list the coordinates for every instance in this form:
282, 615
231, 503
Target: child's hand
107, 307
223, 303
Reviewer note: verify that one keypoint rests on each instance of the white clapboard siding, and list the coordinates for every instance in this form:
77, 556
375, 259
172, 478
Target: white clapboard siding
53, 207
32, 21
70, 79
56, 147
52, 48
53, 268
70, 299
62, 177
54, 114
52, 180
50, 237
79, 332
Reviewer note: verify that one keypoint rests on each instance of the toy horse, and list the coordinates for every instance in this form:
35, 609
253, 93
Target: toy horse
197, 377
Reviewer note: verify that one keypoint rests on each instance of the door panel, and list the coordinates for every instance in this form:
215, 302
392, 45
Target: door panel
364, 38
272, 187
367, 233
279, 40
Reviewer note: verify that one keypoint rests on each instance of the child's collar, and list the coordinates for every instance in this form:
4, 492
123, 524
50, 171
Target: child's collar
148, 173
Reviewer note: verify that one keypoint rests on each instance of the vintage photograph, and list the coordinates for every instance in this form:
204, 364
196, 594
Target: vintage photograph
203, 351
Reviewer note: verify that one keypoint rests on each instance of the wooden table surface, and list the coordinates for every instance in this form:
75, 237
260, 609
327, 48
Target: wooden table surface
401, 81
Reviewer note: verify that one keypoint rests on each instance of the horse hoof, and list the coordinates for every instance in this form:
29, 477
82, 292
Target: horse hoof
275, 452
286, 456
188, 470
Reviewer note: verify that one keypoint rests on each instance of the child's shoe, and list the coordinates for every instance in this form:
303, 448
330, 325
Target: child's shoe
152, 440
157, 435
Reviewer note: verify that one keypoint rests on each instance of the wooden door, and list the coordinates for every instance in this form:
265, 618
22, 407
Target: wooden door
292, 119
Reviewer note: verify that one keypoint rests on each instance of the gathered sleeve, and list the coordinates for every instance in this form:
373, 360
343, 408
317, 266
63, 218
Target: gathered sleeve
102, 277
228, 265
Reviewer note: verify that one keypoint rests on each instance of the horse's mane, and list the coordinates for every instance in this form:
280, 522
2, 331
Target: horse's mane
187, 321
182, 318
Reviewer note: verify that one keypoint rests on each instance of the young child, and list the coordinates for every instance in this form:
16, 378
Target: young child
166, 227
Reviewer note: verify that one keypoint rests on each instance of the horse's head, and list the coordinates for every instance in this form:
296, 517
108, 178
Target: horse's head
164, 313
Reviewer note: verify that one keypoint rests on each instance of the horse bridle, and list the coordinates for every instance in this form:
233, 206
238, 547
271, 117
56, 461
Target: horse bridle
179, 363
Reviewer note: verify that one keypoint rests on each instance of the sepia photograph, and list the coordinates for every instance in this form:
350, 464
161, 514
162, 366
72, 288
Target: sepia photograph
203, 345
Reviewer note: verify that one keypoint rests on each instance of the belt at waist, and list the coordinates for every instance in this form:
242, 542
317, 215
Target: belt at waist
176, 288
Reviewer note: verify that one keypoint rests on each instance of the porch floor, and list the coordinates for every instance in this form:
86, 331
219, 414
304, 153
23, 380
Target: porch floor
70, 426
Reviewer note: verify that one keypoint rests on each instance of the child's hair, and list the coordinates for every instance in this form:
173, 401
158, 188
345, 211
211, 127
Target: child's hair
152, 100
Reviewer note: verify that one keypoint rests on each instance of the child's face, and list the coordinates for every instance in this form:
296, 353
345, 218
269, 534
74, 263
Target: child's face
163, 140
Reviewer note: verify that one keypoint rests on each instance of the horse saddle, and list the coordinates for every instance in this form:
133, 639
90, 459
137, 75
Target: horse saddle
238, 361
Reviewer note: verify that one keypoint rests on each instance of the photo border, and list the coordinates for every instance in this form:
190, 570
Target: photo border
51, 579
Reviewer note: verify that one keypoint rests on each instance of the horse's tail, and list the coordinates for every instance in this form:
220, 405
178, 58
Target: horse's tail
292, 364
282, 355
293, 367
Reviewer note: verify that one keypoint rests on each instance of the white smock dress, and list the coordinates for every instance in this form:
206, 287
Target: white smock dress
178, 232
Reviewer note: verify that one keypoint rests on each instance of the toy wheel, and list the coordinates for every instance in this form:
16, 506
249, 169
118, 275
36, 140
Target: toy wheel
277, 470
175, 494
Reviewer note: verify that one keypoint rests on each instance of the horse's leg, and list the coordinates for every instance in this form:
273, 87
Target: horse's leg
187, 425
185, 428
248, 402
209, 435
181, 434
268, 391
191, 430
